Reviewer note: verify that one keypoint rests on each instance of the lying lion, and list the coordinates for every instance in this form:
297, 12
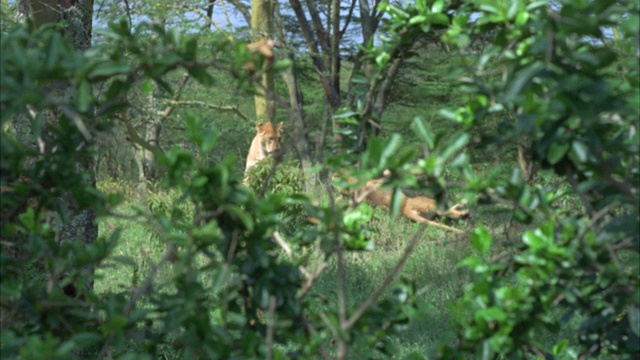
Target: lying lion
420, 208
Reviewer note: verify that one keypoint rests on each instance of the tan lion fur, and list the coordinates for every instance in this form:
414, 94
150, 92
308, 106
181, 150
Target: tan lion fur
265, 143
420, 208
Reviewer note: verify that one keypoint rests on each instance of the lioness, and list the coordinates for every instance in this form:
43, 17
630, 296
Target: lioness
266, 142
420, 208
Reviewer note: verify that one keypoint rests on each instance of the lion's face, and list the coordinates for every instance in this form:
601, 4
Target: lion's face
269, 137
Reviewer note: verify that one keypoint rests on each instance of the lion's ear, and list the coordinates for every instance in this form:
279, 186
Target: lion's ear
280, 126
260, 128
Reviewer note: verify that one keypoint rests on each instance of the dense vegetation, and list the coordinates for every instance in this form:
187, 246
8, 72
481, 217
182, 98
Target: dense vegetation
529, 111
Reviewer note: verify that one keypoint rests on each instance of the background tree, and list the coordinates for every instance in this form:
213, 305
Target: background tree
262, 29
74, 222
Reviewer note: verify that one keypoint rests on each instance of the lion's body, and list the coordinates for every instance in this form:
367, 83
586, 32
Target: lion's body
265, 143
420, 208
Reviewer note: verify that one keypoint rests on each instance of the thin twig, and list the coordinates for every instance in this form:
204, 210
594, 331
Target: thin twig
310, 278
164, 114
230, 108
270, 326
280, 241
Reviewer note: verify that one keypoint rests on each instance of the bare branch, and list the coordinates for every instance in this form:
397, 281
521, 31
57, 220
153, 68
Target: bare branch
231, 108
242, 8
133, 134
280, 241
270, 325
347, 20
169, 109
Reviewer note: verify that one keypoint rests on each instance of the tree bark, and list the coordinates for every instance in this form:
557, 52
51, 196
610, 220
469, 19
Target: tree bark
261, 28
299, 132
312, 45
335, 45
210, 12
296, 116
79, 224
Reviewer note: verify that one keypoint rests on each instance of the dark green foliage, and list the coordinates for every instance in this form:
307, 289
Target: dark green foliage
271, 177
218, 287
212, 281
577, 112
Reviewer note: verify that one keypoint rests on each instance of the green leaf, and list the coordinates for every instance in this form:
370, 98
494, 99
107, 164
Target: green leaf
560, 347
460, 21
537, 4
383, 59
109, 69
438, 19
397, 12
418, 19
199, 181
457, 143
557, 151
437, 6
114, 324
481, 239
471, 262
83, 96
580, 150
522, 78
281, 65
535, 239
423, 131
114, 199
55, 48
208, 141
514, 8
345, 114
522, 18
391, 149
491, 314
146, 86
396, 203
239, 214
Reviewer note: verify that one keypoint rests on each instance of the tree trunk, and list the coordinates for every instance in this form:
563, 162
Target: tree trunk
210, 12
312, 45
296, 117
79, 224
299, 135
261, 28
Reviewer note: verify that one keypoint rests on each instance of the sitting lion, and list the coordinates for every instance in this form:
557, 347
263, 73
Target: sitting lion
420, 208
265, 143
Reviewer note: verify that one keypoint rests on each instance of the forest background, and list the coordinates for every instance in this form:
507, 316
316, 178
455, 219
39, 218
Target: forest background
126, 232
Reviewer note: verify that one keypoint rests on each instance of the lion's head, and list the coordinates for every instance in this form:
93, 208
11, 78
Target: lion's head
269, 137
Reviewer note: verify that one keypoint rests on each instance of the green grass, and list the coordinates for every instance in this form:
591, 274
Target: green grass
431, 267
